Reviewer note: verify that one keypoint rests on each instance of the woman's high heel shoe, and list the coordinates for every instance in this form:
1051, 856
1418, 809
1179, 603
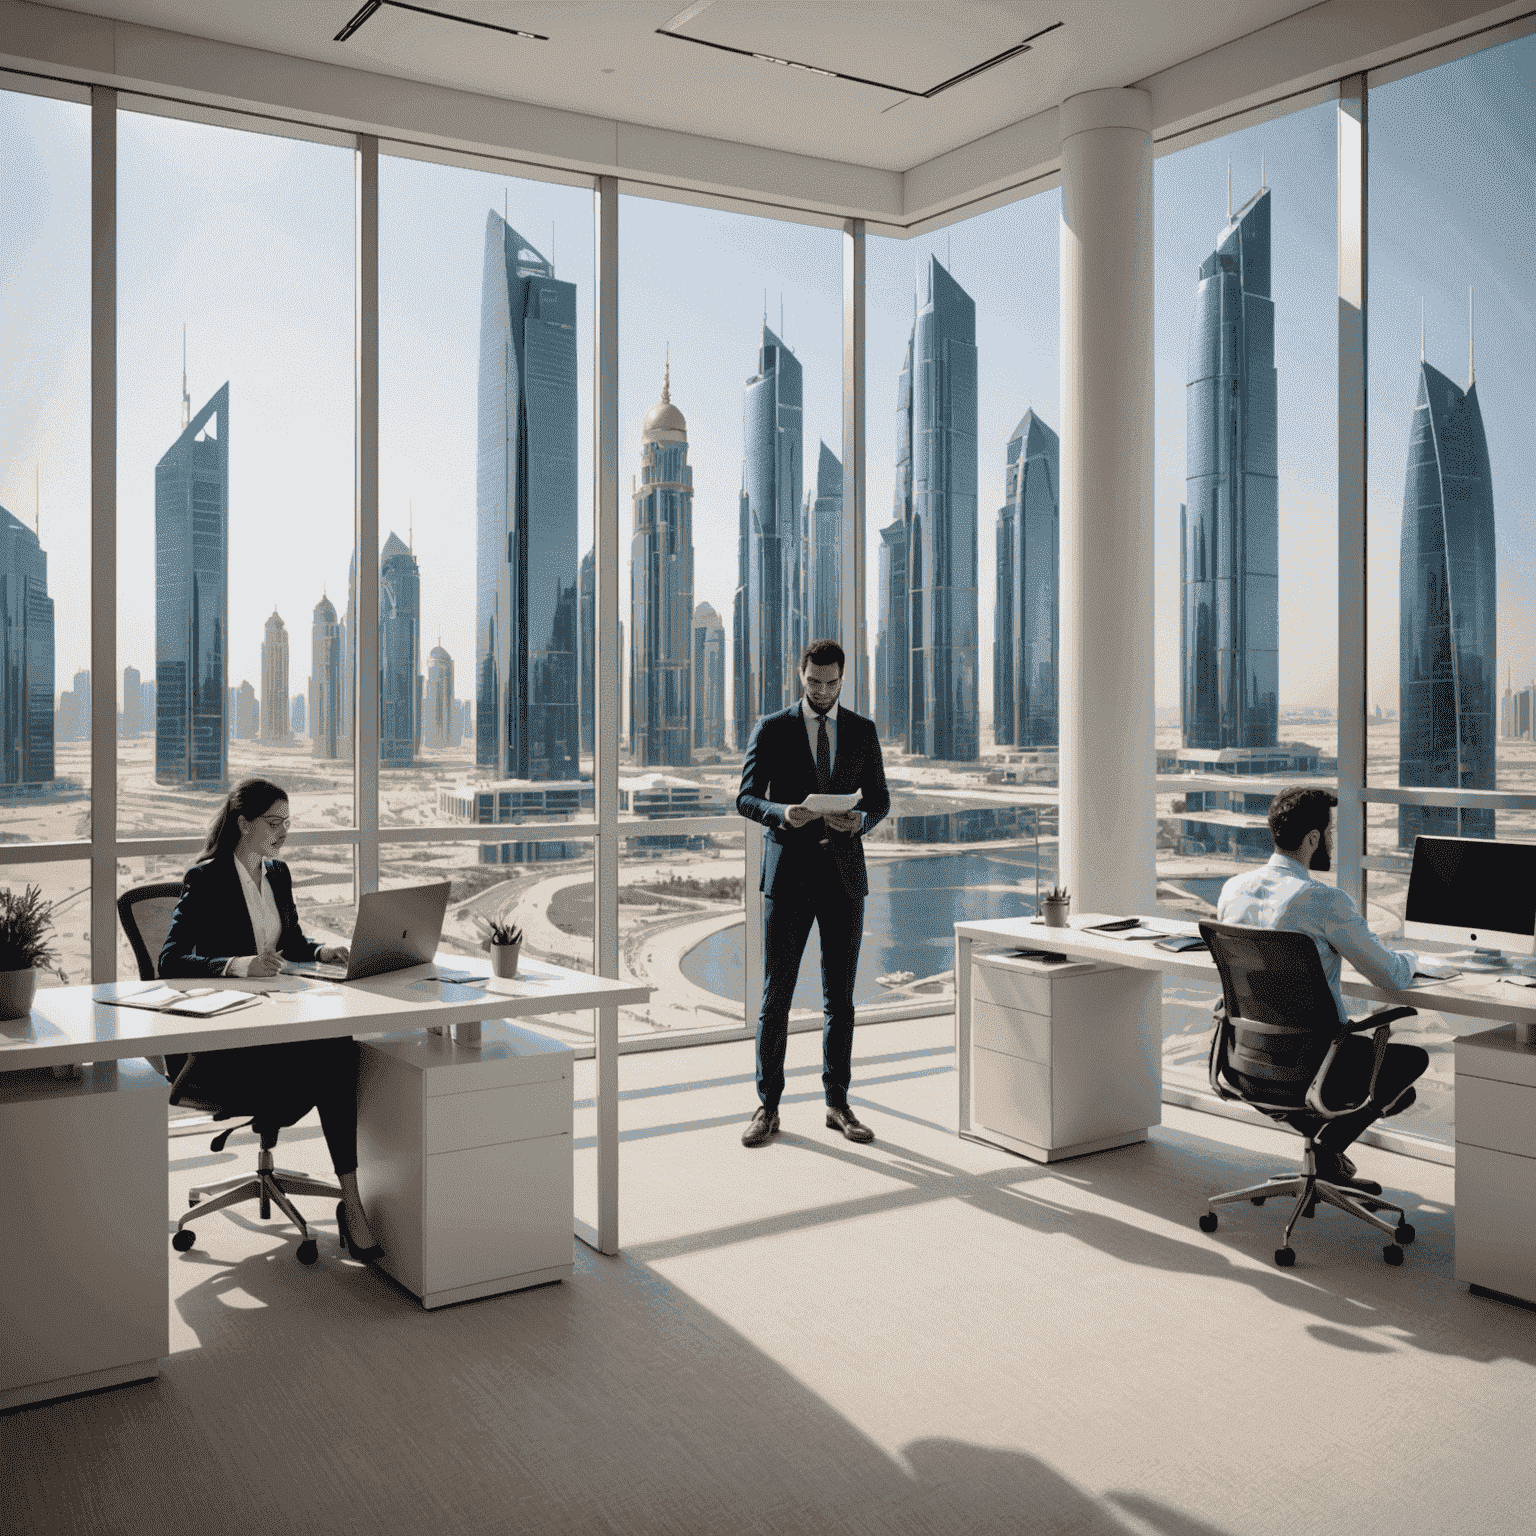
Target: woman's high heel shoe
344, 1237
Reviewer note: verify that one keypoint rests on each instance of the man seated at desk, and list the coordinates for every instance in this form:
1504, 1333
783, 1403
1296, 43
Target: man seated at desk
1283, 894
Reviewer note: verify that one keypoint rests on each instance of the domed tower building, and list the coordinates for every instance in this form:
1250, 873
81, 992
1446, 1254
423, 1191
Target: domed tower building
661, 591
328, 730
438, 722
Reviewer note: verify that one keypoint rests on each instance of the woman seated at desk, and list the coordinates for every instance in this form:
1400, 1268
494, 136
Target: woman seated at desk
237, 917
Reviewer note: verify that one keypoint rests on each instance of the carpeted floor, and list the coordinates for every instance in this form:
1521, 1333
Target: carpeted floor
923, 1336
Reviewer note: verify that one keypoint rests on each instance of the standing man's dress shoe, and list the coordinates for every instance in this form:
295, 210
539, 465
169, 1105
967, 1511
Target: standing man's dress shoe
841, 1118
764, 1123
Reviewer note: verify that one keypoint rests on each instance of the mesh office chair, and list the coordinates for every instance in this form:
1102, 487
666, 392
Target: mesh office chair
145, 913
1274, 1049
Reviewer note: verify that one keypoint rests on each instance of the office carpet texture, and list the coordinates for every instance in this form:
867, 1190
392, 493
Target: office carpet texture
920, 1336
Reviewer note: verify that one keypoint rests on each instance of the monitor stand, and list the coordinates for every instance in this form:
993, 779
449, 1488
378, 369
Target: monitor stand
1479, 960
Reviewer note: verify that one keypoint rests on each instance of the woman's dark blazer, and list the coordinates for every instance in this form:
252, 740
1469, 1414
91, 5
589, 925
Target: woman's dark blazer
211, 924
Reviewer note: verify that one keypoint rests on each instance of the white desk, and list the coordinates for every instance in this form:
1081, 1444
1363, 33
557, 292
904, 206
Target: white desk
104, 1136
1495, 1079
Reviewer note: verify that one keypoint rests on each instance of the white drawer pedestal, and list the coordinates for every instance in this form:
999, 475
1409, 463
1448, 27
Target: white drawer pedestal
84, 1260
465, 1160
1056, 1060
1496, 1163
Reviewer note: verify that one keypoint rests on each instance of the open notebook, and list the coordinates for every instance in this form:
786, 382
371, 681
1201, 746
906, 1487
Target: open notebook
201, 1002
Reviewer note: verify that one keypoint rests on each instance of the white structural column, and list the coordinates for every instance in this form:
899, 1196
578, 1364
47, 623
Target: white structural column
853, 638
1108, 757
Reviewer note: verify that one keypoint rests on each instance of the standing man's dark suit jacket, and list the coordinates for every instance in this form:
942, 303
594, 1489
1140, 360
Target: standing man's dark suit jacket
780, 771
211, 924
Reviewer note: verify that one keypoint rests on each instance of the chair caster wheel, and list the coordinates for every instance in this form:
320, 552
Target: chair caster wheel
1285, 1258
309, 1251
183, 1240
1258, 1200
1208, 1222
1405, 1233
1392, 1254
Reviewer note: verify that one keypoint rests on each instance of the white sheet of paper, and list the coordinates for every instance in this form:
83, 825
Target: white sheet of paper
822, 805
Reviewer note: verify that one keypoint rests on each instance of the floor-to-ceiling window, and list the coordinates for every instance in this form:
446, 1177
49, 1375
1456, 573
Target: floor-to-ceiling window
45, 619
1451, 573
731, 522
1246, 532
235, 486
485, 511
962, 569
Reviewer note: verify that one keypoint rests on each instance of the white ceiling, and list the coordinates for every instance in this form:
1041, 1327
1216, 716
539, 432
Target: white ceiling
605, 58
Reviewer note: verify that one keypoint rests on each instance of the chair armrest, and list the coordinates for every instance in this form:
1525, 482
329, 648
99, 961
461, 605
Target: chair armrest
1380, 1020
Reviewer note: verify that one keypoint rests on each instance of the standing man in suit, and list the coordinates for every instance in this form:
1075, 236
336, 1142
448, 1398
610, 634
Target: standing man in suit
813, 872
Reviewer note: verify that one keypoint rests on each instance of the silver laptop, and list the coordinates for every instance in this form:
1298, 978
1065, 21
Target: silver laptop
394, 929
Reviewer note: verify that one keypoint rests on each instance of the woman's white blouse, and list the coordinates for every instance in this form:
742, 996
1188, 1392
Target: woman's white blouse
266, 922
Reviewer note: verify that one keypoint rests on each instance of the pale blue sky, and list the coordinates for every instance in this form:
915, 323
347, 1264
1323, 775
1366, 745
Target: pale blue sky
248, 239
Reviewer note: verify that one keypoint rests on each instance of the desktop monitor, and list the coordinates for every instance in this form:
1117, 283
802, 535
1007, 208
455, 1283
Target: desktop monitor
1473, 890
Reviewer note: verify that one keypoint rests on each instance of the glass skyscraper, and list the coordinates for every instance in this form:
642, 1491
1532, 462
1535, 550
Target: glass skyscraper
527, 717
327, 733
1447, 615
588, 601
708, 679
824, 538
26, 656
192, 602
944, 718
771, 472
439, 726
399, 653
276, 722
661, 591
1026, 640
1229, 552
893, 657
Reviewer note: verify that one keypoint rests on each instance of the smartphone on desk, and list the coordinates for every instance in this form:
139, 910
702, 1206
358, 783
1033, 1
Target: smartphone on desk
1180, 943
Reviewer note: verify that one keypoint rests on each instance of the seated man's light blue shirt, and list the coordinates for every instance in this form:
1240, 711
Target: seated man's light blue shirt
1282, 894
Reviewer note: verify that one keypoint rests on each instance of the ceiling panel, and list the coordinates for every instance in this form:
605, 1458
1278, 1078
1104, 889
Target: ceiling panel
606, 58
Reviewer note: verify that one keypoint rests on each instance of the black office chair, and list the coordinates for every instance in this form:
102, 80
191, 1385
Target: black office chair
145, 913
1273, 1050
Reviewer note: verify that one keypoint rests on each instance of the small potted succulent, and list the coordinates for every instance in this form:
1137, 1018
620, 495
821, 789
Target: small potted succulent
505, 942
1054, 907
24, 949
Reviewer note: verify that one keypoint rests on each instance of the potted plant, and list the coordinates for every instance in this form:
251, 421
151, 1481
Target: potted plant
24, 949
1055, 906
505, 942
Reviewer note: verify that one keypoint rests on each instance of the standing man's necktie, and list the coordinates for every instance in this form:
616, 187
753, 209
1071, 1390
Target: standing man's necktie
823, 757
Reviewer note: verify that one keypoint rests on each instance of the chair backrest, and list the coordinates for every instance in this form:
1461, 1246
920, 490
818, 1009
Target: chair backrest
145, 913
1280, 1008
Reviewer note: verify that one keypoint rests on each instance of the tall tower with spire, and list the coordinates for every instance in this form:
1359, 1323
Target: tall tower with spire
526, 718
771, 473
399, 653
192, 601
1447, 609
661, 590
327, 731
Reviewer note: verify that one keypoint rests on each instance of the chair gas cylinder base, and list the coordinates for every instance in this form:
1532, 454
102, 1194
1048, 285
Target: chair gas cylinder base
267, 1185
1273, 1051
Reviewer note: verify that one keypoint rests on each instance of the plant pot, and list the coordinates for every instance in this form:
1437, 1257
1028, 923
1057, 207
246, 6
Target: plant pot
1054, 913
504, 959
17, 989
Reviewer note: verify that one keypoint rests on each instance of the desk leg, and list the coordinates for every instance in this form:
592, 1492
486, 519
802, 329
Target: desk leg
607, 1107
963, 1034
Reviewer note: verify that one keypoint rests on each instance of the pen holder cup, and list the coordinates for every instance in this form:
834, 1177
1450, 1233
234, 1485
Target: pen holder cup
504, 959
1054, 913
